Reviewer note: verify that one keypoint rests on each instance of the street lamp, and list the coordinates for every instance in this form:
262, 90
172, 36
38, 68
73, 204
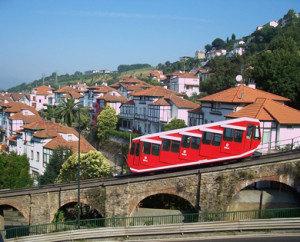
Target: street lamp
78, 199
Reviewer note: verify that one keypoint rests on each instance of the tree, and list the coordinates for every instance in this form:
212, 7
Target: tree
277, 70
174, 124
208, 47
107, 120
14, 171
92, 165
233, 37
59, 156
218, 44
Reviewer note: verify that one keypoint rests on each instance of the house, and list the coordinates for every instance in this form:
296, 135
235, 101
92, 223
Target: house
238, 49
199, 54
67, 92
216, 106
13, 116
130, 85
151, 108
42, 95
279, 123
184, 58
186, 83
158, 75
38, 140
195, 116
212, 54
202, 73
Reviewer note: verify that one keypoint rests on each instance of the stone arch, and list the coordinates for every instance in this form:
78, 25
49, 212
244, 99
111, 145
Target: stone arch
269, 194
275, 178
25, 212
136, 200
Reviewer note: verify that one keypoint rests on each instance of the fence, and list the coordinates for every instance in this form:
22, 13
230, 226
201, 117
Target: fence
150, 220
280, 145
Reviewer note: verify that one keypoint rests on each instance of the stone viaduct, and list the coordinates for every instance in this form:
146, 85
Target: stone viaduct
206, 189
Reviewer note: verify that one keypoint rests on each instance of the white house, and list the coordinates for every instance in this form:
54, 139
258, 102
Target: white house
67, 92
185, 83
38, 140
278, 121
199, 54
42, 95
212, 54
151, 108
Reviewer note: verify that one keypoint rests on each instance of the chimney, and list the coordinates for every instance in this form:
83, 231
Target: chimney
252, 84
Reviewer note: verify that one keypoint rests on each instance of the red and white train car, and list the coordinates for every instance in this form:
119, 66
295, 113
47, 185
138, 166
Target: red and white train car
208, 143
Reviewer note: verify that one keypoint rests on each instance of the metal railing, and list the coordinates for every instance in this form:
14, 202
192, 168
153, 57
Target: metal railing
280, 145
150, 220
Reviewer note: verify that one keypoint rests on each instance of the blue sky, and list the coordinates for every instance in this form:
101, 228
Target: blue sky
43, 36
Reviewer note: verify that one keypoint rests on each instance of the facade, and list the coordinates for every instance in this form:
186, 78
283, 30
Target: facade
38, 140
150, 109
195, 117
40, 96
67, 92
185, 83
212, 54
199, 54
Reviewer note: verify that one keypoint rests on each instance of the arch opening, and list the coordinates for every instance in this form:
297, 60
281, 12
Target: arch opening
69, 212
265, 195
12, 217
163, 204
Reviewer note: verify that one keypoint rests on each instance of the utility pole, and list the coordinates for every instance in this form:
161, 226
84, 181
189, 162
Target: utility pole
43, 77
56, 77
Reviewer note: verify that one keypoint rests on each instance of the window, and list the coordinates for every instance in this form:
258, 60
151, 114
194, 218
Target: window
195, 143
146, 148
175, 146
69, 137
166, 144
186, 141
228, 134
155, 149
238, 136
206, 138
216, 141
32, 155
137, 151
37, 156
256, 133
249, 131
132, 149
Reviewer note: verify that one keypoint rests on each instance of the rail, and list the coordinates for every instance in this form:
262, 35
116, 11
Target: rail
151, 220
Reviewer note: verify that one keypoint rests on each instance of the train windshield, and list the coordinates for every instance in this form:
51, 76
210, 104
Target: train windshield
132, 149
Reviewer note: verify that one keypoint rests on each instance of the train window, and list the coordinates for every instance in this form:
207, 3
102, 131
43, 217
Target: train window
186, 141
155, 149
216, 140
137, 151
256, 135
175, 146
249, 131
132, 149
166, 144
146, 148
195, 143
238, 136
206, 138
228, 134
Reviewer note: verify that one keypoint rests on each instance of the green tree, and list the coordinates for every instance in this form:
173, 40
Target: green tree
277, 70
92, 165
218, 43
14, 171
59, 156
174, 124
107, 120
208, 47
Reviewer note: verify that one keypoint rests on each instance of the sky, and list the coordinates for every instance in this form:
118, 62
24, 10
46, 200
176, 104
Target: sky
44, 36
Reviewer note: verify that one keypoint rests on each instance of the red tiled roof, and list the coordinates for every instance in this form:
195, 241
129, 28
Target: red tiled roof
3, 97
186, 75
66, 89
156, 91
269, 110
129, 102
43, 90
15, 107
16, 96
110, 98
74, 95
105, 89
160, 102
181, 102
12, 138
241, 94
26, 118
196, 110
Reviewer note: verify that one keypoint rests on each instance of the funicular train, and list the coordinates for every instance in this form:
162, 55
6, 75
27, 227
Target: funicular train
208, 143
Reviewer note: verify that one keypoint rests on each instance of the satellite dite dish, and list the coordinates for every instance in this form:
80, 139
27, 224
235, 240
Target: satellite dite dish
239, 78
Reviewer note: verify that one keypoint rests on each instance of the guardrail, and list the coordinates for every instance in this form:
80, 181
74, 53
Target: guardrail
150, 220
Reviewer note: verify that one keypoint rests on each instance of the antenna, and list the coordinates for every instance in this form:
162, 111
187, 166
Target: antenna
43, 76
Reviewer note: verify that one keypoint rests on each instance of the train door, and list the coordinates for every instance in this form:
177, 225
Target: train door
136, 158
210, 146
150, 153
248, 139
170, 151
189, 149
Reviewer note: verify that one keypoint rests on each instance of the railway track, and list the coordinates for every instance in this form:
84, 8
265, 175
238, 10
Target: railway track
132, 178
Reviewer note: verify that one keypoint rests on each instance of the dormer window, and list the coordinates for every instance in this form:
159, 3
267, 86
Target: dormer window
69, 137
